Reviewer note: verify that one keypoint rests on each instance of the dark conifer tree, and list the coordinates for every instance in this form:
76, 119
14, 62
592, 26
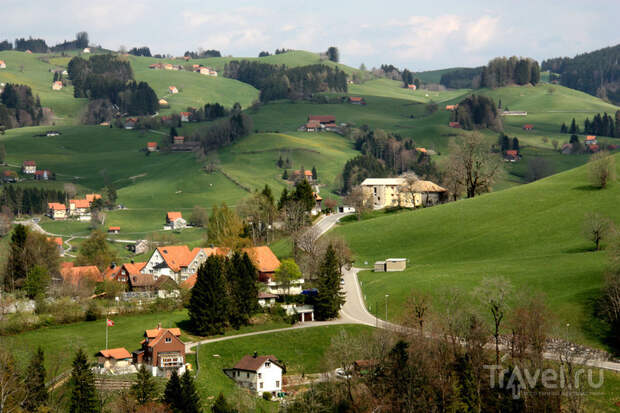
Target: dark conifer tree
208, 305
34, 382
221, 405
82, 385
280, 162
315, 176
172, 394
189, 395
285, 175
515, 144
330, 296
573, 127
144, 388
268, 194
284, 198
16, 265
303, 194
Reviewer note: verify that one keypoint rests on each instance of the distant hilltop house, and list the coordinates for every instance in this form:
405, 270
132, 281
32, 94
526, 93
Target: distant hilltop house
391, 265
357, 100
454, 125
29, 167
452, 107
319, 123
590, 140
185, 116
512, 155
412, 87
322, 119
2, 64
313, 126
207, 71
163, 102
173, 89
174, 220
397, 192
56, 210
162, 351
528, 126
259, 374
514, 113
298, 175
43, 175
151, 146
57, 85
114, 230
86, 50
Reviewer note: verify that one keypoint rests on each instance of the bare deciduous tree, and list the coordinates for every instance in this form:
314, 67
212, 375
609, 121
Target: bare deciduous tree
11, 387
472, 164
358, 200
416, 310
494, 294
602, 168
597, 228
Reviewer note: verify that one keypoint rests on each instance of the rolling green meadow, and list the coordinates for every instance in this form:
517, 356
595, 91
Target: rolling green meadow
531, 235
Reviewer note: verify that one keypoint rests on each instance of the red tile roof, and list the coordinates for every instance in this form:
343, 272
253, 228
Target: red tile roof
455, 125
29, 163
114, 228
263, 258
172, 216
512, 152
55, 240
356, 99
56, 206
528, 126
322, 118
134, 268
186, 113
73, 275
250, 363
590, 138
80, 203
92, 197
115, 353
151, 144
190, 282
177, 256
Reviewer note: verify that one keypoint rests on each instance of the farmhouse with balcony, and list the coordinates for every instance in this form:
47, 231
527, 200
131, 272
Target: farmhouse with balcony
259, 374
56, 210
322, 119
29, 167
177, 261
79, 208
162, 351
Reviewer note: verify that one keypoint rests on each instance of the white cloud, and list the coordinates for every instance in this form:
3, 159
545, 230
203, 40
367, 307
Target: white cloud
481, 32
422, 37
356, 48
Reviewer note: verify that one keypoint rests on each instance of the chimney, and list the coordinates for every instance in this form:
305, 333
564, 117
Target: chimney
255, 354
159, 326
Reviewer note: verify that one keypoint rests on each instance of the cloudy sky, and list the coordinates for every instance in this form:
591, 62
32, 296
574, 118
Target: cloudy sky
419, 35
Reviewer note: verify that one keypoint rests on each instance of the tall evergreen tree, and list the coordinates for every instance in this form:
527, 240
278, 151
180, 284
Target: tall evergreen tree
515, 144
82, 384
573, 127
284, 197
172, 394
330, 296
303, 193
221, 405
34, 382
268, 194
208, 305
16, 265
144, 388
189, 395
315, 175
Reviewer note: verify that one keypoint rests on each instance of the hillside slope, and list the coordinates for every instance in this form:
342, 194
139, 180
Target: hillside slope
530, 235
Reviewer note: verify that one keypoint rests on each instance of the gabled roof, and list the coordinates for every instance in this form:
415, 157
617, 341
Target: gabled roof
115, 353
155, 334
56, 206
134, 268
356, 99
382, 181
177, 256
455, 125
73, 275
190, 282
426, 186
151, 144
322, 118
80, 203
528, 126
590, 138
263, 258
172, 216
250, 363
185, 114
317, 197
114, 228
29, 163
92, 197
141, 280
55, 240
512, 152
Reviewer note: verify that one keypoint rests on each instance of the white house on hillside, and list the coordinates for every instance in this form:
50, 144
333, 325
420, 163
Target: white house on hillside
260, 374
178, 261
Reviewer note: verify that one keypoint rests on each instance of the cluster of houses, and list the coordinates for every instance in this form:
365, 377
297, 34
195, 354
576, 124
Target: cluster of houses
77, 208
318, 123
203, 70
29, 168
400, 192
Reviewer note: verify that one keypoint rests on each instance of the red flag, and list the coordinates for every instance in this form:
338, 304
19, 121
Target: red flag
110, 322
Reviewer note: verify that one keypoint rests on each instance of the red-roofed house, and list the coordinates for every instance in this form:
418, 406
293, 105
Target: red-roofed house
185, 116
9, 176
454, 125
590, 140
151, 146
57, 241
57, 85
29, 167
528, 126
113, 359
79, 207
356, 100
511, 155
264, 260
297, 175
92, 197
178, 262
452, 107
43, 175
174, 220
322, 119
593, 148
178, 140
78, 276
412, 87
162, 351
260, 374
313, 126
56, 210
2, 64
114, 230
173, 89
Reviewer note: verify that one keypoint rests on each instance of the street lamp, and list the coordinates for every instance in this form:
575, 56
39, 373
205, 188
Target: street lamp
386, 302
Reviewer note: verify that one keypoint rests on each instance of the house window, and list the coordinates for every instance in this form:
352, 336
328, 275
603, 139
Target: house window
168, 340
260, 375
247, 375
277, 383
267, 364
261, 384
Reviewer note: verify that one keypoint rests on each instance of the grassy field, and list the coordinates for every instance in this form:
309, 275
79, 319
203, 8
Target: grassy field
531, 235
433, 76
394, 89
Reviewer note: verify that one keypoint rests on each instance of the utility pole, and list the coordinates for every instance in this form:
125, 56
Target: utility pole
386, 307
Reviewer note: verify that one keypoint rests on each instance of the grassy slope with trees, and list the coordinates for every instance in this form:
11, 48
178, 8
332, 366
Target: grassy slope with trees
531, 235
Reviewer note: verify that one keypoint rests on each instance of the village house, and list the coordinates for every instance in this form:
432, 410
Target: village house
141, 282
452, 107
511, 155
173, 89
151, 146
162, 351
528, 126
391, 265
397, 192
168, 66
86, 50
302, 312
357, 100
298, 175
163, 102
114, 360
207, 71
9, 176
178, 140
78, 276
178, 261
412, 87
43, 175
264, 260
57, 241
259, 374
29, 167
79, 208
590, 140
185, 116
322, 119
140, 247
174, 220
2, 64
454, 125
155, 66
114, 230
56, 210
266, 299
593, 148
317, 203
313, 126
57, 85
92, 197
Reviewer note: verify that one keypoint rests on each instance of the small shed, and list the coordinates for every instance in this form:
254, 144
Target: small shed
113, 358
391, 265
114, 230
380, 266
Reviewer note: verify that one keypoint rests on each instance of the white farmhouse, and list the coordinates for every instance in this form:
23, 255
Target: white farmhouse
260, 374
178, 261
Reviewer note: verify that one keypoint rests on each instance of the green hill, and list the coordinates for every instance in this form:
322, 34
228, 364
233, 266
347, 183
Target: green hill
530, 235
434, 76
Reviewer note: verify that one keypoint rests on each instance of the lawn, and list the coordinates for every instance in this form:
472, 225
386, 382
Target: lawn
531, 235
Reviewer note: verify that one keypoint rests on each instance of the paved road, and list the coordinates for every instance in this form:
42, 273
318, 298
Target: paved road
325, 223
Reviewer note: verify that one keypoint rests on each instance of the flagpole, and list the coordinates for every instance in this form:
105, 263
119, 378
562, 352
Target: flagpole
106, 330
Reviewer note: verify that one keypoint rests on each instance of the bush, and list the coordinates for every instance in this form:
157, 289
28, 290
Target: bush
267, 396
93, 312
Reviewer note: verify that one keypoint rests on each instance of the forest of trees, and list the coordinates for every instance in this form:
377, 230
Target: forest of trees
29, 200
596, 73
18, 107
477, 111
107, 77
280, 82
604, 125
225, 131
203, 54
503, 71
34, 45
6, 45
140, 51
465, 78
80, 42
